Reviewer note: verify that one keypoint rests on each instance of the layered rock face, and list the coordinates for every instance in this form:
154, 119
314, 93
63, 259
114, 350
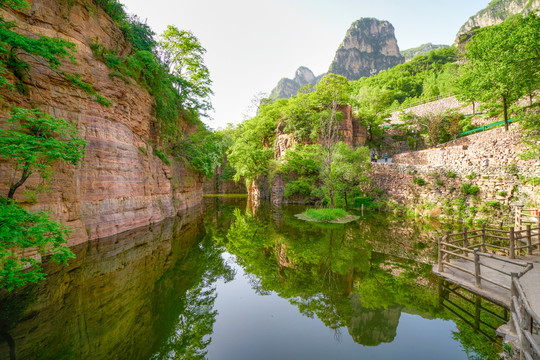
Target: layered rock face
369, 46
496, 12
287, 87
120, 184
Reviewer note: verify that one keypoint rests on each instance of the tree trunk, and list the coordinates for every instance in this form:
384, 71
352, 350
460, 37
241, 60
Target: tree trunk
331, 199
505, 107
25, 175
346, 202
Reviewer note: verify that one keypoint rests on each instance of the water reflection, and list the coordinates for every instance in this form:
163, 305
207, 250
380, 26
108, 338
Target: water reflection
126, 297
162, 292
360, 276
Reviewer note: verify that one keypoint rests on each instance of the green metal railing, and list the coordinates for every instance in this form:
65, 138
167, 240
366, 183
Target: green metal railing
487, 127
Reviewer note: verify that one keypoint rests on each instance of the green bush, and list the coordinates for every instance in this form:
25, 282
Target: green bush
494, 204
162, 156
450, 175
439, 182
471, 176
502, 193
469, 189
419, 181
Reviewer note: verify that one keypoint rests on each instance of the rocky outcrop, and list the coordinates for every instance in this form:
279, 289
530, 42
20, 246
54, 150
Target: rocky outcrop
287, 87
421, 50
120, 184
495, 13
369, 46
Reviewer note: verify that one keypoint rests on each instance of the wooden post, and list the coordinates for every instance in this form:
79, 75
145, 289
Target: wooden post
484, 238
446, 239
465, 241
538, 226
529, 240
439, 241
517, 222
513, 310
477, 269
511, 250
477, 311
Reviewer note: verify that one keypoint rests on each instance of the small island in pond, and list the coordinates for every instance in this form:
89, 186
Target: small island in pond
334, 216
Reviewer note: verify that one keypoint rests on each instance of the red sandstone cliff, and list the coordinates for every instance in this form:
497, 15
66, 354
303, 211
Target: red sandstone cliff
120, 184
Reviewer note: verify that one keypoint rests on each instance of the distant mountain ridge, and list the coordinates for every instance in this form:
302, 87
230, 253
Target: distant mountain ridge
496, 12
421, 50
369, 46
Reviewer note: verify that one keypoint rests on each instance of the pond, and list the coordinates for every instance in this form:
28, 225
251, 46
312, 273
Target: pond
230, 281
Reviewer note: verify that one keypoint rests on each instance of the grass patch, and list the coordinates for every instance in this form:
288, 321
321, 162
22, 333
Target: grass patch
337, 216
325, 214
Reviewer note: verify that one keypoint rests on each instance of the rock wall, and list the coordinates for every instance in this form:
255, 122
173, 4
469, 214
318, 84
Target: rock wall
120, 184
369, 46
499, 147
434, 107
504, 178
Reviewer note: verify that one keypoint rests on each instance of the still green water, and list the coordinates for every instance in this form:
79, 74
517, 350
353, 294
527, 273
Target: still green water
231, 281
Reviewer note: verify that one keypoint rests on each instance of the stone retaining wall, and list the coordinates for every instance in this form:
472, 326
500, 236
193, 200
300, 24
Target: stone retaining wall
434, 107
499, 147
502, 179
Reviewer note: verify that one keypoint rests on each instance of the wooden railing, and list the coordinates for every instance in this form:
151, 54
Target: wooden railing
466, 246
525, 323
526, 216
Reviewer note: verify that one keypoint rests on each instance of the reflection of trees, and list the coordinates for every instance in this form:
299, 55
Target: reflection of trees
330, 272
373, 326
190, 317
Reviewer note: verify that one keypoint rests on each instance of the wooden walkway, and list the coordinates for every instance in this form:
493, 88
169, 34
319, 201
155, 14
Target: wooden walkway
504, 267
491, 291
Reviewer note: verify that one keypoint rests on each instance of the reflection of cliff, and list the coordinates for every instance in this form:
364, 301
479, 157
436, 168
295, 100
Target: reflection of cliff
106, 303
372, 327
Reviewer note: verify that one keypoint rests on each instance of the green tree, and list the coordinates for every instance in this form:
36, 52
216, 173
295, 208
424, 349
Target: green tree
503, 63
20, 232
331, 93
350, 170
183, 54
34, 141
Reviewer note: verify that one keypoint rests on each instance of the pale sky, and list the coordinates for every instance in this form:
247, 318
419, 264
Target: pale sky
252, 44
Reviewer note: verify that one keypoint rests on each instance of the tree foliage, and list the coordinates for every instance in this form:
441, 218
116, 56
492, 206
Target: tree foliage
20, 232
34, 141
183, 54
503, 63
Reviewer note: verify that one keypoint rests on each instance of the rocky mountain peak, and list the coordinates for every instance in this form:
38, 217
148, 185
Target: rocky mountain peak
304, 76
496, 12
289, 87
369, 46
